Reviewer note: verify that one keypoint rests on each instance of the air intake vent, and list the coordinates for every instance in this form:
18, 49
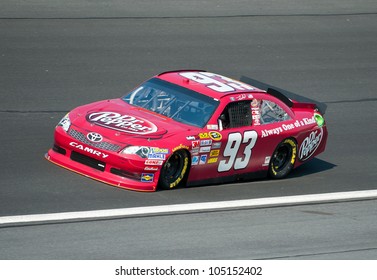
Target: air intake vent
99, 165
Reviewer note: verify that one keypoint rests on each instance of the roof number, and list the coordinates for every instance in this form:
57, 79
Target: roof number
216, 82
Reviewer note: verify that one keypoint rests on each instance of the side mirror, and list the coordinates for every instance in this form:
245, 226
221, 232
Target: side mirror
223, 119
220, 123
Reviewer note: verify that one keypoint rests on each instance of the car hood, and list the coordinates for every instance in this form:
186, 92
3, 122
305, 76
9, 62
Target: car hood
117, 118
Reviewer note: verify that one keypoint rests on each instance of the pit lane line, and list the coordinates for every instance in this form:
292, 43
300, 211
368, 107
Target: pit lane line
189, 208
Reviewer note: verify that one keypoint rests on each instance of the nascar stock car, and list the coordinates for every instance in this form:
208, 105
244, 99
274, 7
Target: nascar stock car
188, 127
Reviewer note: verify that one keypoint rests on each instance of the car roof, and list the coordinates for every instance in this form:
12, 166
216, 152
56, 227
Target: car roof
207, 83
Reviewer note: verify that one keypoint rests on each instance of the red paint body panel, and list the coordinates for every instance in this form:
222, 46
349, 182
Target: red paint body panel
223, 154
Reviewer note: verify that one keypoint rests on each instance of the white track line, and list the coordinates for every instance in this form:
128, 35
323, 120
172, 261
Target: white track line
191, 207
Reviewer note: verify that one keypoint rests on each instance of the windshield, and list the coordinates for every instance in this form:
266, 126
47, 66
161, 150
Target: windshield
180, 104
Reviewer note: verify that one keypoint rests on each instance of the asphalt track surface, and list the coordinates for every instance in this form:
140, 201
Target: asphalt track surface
56, 55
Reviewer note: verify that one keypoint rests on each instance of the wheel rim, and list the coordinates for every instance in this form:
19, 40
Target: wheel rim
282, 157
173, 167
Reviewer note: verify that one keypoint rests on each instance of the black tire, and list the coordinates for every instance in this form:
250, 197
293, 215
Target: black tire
175, 170
283, 159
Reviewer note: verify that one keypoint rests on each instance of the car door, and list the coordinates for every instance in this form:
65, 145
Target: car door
238, 138
251, 131
246, 138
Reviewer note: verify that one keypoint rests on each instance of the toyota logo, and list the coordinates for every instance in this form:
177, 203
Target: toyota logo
94, 137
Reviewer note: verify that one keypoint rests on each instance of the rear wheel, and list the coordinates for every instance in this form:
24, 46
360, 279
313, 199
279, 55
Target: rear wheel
175, 170
283, 159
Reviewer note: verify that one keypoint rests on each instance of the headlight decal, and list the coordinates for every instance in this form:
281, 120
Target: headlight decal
65, 122
146, 152
141, 151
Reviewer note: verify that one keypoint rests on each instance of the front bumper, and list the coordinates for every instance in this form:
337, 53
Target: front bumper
112, 169
102, 176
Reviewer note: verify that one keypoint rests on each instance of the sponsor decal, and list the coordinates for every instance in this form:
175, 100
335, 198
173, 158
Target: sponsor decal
212, 126
216, 145
212, 160
156, 156
191, 137
266, 161
153, 162
207, 142
241, 97
205, 149
151, 168
123, 123
88, 150
214, 153
195, 160
203, 135
94, 137
195, 144
195, 151
147, 177
310, 144
216, 136
181, 146
254, 103
157, 153
255, 114
155, 150
203, 159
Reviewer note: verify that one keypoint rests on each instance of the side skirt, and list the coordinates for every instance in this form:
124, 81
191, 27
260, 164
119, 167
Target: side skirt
229, 179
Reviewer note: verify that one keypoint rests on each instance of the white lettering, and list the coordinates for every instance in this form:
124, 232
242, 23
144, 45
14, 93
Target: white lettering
273, 131
88, 150
216, 82
309, 121
288, 126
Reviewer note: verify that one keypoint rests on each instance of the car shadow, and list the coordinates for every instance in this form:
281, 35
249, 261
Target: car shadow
312, 167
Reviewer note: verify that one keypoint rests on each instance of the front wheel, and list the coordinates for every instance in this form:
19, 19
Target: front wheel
174, 170
283, 159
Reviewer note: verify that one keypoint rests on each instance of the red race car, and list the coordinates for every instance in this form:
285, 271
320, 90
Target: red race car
188, 127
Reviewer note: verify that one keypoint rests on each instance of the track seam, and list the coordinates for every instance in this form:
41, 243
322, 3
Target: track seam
188, 17
319, 254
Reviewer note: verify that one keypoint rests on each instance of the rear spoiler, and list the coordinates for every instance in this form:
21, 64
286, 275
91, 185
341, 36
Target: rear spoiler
287, 97
305, 105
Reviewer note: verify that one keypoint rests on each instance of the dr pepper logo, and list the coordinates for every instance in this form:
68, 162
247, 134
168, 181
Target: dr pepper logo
124, 123
310, 144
